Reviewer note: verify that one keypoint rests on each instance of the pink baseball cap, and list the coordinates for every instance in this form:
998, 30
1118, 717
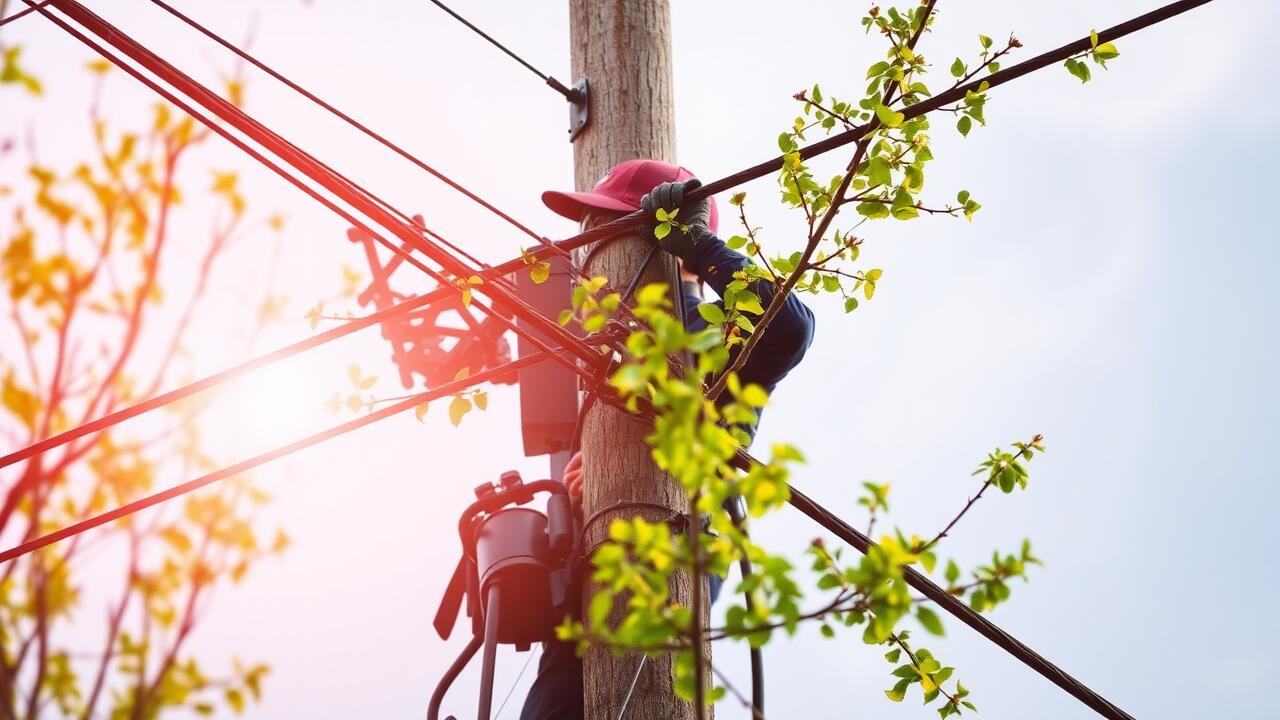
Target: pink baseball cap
621, 189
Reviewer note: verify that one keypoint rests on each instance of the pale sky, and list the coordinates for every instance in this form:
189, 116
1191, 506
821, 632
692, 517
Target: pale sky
1112, 294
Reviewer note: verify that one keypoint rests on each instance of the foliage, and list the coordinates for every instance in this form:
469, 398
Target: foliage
698, 429
84, 257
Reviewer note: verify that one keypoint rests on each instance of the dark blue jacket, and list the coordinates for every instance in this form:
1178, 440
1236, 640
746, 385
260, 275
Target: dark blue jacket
787, 337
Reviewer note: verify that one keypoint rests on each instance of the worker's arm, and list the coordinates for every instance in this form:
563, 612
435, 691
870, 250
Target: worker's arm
785, 339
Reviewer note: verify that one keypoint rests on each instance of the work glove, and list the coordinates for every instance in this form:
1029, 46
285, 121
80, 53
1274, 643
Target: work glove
688, 228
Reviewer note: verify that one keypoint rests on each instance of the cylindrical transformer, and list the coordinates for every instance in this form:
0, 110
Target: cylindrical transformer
512, 549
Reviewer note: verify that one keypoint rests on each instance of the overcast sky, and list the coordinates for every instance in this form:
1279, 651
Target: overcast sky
1115, 293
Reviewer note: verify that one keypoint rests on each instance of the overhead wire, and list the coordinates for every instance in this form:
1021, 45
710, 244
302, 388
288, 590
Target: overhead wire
298, 159
234, 469
815, 512
378, 137
555, 84
514, 683
23, 13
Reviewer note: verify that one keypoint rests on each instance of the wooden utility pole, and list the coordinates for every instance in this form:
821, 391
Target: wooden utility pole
623, 48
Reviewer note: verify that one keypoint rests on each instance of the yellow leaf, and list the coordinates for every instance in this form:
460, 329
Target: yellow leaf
420, 412
223, 182
459, 407
99, 66
353, 372
162, 117
24, 404
463, 373
481, 399
281, 542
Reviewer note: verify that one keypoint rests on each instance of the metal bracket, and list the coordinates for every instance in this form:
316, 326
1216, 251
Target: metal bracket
579, 108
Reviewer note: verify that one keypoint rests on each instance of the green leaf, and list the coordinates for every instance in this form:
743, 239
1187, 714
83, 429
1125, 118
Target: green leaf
888, 117
964, 124
1093, 38
899, 691
957, 68
755, 396
929, 620
1105, 51
629, 379
601, 604
952, 573
662, 230
878, 171
652, 294
712, 313
986, 41
873, 210
750, 304
1078, 69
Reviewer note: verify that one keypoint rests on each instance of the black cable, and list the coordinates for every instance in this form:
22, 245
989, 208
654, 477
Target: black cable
437, 697
570, 95
23, 12
631, 287
344, 117
295, 158
964, 613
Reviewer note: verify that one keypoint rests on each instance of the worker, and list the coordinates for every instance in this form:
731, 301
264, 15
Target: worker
703, 258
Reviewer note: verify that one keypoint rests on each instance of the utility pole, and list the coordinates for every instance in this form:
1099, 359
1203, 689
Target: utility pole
623, 48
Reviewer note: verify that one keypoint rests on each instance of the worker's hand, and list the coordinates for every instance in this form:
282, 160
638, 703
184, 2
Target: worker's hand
573, 475
689, 226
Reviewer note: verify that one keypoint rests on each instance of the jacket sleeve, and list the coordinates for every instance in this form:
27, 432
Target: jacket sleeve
785, 340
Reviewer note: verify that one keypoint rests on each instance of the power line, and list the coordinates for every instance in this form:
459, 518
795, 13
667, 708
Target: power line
964, 613
860, 542
569, 94
218, 378
23, 12
397, 149
245, 465
516, 682
622, 224
315, 170
493, 273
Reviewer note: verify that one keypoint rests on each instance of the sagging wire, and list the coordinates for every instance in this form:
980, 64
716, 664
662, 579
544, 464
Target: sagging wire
569, 94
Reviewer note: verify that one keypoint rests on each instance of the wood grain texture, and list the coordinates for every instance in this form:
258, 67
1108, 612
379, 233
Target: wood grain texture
623, 48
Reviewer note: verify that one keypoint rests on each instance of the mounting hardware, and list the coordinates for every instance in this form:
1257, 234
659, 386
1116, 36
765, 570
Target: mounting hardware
579, 108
